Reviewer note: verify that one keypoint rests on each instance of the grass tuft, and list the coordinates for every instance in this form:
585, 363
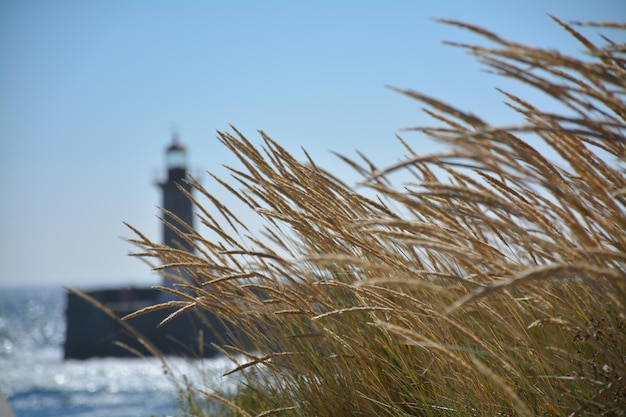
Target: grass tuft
492, 283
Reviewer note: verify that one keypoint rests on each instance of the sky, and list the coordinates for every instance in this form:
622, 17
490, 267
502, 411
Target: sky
92, 91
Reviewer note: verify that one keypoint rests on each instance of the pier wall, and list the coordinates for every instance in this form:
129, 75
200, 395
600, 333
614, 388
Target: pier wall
92, 333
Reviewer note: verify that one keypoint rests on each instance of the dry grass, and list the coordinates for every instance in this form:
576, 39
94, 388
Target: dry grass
495, 286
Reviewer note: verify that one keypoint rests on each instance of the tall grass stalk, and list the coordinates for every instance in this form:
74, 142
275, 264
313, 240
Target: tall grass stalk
493, 283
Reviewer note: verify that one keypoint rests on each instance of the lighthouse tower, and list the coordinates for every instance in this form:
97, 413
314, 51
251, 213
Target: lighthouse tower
176, 205
174, 200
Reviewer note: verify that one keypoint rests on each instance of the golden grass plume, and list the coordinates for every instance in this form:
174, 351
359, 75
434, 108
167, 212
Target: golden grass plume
494, 283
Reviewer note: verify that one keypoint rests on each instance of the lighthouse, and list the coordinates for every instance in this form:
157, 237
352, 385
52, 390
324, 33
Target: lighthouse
174, 200
91, 331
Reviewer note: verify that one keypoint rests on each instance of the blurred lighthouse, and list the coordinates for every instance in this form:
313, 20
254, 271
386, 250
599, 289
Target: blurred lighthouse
92, 331
178, 209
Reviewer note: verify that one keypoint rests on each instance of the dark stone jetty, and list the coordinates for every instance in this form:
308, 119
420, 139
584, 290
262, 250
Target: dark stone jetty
90, 332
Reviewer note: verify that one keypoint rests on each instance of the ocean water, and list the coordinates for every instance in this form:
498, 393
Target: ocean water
38, 382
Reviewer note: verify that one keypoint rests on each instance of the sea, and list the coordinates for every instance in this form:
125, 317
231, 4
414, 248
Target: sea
38, 382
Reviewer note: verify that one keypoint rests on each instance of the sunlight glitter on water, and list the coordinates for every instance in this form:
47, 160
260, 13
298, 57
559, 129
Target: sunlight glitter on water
38, 382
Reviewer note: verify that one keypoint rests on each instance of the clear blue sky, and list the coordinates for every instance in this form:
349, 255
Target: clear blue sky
90, 92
